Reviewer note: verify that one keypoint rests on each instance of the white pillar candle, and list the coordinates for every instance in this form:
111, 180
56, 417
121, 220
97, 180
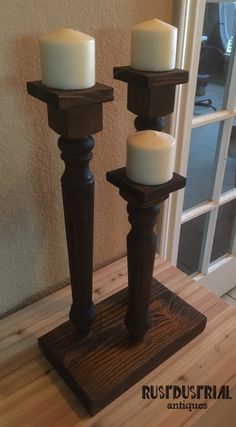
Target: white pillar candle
153, 46
150, 157
67, 59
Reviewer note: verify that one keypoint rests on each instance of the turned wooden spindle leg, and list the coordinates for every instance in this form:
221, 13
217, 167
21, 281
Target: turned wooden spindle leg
75, 115
141, 248
78, 201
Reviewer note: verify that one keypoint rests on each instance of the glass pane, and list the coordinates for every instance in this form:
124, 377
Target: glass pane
215, 57
225, 230
202, 164
192, 239
230, 171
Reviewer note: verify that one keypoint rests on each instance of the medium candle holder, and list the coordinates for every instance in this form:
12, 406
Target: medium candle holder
139, 327
150, 95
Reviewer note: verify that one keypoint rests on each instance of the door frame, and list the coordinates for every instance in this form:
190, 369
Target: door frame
189, 18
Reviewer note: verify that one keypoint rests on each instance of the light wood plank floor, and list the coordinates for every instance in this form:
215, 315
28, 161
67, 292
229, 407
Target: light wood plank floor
32, 394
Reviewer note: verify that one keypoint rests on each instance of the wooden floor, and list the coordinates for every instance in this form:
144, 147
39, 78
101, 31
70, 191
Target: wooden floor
33, 394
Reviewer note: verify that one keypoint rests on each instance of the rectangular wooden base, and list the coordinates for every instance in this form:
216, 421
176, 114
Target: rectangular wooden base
107, 363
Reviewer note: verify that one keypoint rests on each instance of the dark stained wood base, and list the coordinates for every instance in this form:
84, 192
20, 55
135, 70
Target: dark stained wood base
107, 363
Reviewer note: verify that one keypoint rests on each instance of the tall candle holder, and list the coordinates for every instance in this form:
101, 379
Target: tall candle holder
139, 327
76, 115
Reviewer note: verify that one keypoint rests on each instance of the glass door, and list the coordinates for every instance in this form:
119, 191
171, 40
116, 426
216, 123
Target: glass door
202, 218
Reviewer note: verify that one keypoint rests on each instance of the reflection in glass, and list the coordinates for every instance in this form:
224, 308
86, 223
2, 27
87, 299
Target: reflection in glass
202, 164
215, 57
230, 170
225, 230
192, 239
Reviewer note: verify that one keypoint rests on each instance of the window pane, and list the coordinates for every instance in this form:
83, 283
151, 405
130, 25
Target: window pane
225, 230
192, 239
230, 171
215, 57
202, 164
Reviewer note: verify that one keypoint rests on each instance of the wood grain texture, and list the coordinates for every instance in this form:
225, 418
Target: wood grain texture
88, 366
144, 196
67, 99
107, 363
33, 394
150, 79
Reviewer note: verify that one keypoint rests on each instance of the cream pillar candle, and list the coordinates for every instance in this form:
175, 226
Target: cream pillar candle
153, 46
67, 59
150, 157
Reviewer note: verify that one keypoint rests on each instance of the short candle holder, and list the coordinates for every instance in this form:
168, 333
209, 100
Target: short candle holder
139, 327
143, 208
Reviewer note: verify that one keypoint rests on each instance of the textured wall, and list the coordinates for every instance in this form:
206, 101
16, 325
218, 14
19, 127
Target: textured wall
32, 240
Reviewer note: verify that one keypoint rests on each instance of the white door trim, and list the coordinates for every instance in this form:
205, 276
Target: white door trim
190, 15
190, 35
221, 276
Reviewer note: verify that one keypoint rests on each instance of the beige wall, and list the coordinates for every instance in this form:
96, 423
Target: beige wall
32, 241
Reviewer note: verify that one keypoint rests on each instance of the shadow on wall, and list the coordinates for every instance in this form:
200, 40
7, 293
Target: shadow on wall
32, 249
31, 210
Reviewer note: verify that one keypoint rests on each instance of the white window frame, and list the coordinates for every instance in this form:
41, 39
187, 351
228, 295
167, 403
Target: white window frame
190, 17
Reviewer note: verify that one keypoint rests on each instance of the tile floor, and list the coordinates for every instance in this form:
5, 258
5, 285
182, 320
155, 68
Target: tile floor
230, 297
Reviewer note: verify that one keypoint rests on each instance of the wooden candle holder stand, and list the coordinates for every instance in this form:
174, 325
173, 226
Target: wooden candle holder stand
139, 327
76, 115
